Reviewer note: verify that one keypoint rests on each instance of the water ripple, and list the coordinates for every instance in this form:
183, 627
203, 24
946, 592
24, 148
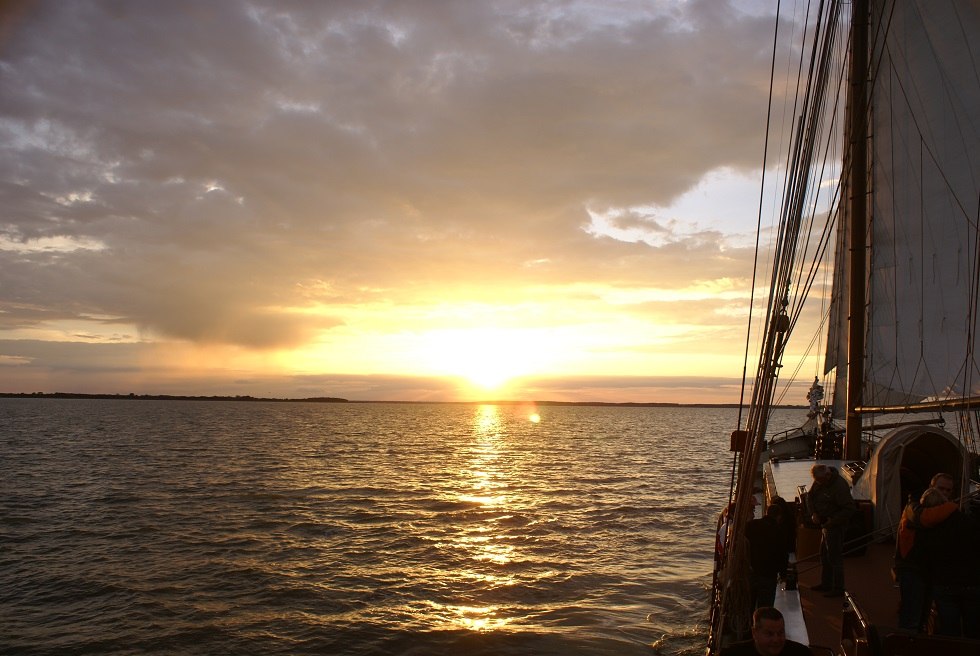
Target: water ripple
198, 528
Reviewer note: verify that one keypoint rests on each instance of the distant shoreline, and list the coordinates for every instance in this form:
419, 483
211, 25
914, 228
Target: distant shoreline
331, 399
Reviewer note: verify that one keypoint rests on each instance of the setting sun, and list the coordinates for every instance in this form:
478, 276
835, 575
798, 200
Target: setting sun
488, 358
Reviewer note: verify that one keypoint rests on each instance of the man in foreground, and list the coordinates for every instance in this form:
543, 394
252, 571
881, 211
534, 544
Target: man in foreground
768, 638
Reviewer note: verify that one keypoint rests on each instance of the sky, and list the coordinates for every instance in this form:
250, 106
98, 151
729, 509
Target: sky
418, 200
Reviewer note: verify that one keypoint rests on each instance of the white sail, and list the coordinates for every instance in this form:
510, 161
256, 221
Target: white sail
924, 181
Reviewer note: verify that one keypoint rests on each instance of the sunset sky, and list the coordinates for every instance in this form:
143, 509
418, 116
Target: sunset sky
418, 200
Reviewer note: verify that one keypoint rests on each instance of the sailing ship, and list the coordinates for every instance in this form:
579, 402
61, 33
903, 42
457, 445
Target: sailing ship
878, 242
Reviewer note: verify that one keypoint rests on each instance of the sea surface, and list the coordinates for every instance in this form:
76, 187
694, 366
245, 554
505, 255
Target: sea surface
200, 527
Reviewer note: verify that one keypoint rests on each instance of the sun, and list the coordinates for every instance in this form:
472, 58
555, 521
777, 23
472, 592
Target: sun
489, 366
488, 358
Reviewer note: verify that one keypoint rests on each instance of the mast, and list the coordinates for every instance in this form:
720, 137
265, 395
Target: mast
858, 178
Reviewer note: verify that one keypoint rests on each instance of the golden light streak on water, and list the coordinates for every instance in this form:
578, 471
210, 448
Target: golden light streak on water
474, 618
484, 481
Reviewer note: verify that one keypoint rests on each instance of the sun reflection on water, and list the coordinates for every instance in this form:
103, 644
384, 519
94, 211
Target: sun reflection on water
474, 618
485, 482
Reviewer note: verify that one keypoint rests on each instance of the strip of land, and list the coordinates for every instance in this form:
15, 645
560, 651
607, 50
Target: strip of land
331, 399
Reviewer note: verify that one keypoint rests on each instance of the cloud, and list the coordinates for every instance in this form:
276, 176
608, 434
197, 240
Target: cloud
243, 173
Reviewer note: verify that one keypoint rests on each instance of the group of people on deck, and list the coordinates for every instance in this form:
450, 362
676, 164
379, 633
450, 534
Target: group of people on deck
936, 553
829, 506
936, 559
936, 563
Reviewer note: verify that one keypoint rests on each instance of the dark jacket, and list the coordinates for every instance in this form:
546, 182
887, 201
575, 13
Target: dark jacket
916, 518
831, 501
768, 551
747, 648
949, 551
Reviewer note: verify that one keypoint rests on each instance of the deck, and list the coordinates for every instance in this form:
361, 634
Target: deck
867, 576
867, 579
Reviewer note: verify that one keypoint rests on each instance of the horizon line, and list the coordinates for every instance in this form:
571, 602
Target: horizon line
330, 399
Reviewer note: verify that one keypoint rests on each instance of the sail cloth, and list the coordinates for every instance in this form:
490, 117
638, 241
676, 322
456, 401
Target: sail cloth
926, 176
902, 465
924, 182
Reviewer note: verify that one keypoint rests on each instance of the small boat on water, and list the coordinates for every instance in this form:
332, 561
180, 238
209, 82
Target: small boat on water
878, 242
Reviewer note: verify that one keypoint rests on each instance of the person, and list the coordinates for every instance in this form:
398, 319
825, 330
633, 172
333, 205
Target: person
830, 506
721, 535
787, 521
945, 484
949, 553
909, 569
768, 555
768, 638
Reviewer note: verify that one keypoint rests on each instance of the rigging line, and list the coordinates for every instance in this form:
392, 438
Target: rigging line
968, 361
821, 247
824, 241
793, 177
765, 374
806, 227
792, 215
880, 38
966, 39
799, 366
779, 186
768, 368
831, 210
828, 225
758, 228
810, 119
818, 256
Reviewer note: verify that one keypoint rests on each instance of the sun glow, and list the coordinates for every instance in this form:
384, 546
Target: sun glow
489, 358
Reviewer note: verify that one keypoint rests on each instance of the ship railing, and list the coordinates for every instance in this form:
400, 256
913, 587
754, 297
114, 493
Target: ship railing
908, 644
785, 435
859, 637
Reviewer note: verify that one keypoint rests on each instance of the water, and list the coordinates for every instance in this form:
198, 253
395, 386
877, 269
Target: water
142, 527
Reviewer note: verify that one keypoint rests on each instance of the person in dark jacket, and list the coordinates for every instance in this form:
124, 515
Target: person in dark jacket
910, 570
768, 638
768, 555
830, 506
949, 553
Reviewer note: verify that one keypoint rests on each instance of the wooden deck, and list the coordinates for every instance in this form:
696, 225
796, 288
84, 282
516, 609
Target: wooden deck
867, 579
872, 625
